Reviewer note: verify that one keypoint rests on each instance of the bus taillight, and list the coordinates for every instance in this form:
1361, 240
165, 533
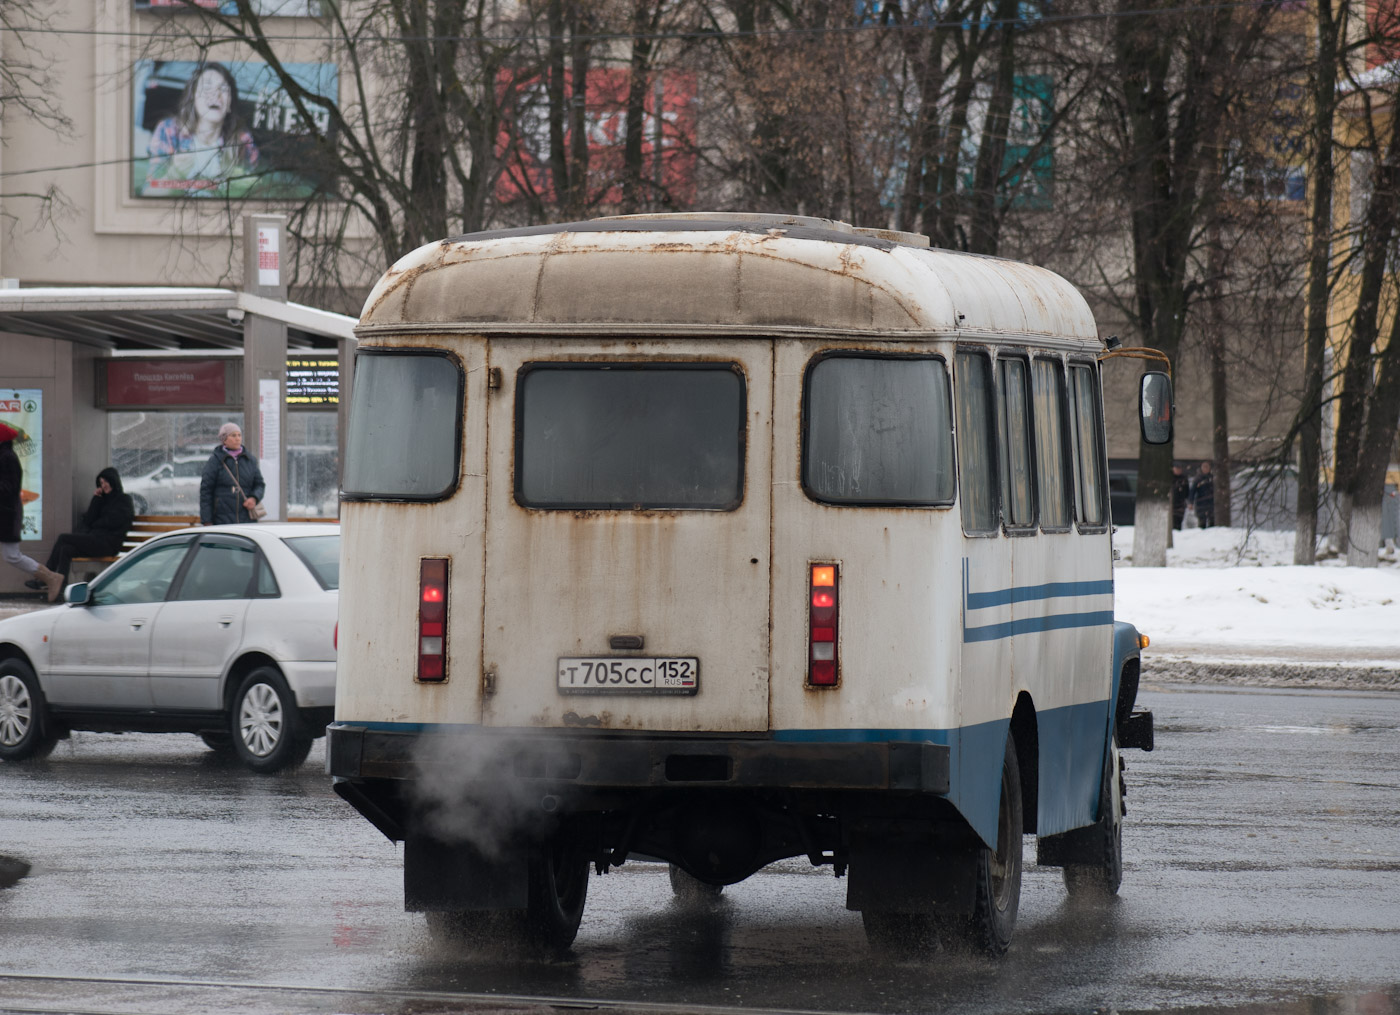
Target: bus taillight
822, 611
432, 619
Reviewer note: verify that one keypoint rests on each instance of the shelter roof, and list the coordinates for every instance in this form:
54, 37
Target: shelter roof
157, 318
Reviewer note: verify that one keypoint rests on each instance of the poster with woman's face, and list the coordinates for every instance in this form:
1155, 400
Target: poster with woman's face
262, 8
226, 130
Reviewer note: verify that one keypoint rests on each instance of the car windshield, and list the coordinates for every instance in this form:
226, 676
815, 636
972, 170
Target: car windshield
322, 555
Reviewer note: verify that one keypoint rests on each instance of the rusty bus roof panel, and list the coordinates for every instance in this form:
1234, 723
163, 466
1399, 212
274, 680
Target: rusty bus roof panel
723, 277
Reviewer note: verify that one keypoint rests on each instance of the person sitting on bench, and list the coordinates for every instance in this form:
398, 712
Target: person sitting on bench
100, 532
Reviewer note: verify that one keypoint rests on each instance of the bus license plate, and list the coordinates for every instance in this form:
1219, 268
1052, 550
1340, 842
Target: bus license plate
629, 675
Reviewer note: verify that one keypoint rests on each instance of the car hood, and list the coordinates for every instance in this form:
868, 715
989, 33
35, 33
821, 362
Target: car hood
29, 629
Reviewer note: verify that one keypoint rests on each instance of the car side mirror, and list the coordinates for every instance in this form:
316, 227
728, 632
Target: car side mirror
1156, 407
77, 594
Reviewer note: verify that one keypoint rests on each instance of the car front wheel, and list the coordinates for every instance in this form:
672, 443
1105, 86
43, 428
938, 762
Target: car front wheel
266, 728
24, 723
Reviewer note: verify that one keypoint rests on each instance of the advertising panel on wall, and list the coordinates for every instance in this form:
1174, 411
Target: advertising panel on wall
668, 132
226, 130
23, 409
261, 8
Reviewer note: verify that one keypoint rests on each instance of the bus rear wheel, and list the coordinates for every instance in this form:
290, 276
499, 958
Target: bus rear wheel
557, 894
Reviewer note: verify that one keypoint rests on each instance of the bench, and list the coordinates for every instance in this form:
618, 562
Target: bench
143, 527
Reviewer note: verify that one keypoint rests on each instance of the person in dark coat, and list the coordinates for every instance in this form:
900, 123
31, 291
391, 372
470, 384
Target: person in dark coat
12, 514
101, 530
1181, 493
1203, 496
232, 484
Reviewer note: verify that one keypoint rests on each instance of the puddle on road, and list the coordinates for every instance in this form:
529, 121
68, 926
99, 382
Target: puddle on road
1381, 1001
1322, 730
12, 870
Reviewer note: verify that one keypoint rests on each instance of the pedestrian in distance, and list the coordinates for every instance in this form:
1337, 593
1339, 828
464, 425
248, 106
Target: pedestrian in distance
1203, 496
12, 514
100, 531
1181, 493
231, 486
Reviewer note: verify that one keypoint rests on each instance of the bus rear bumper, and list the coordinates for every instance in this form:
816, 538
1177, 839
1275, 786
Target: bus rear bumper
637, 761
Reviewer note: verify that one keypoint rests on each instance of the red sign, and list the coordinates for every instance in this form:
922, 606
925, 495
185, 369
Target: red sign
668, 131
140, 382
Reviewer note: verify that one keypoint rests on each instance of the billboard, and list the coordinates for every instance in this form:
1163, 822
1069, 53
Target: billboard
668, 146
23, 409
261, 8
225, 130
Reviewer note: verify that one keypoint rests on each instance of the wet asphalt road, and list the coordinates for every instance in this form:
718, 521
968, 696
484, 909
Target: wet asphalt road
1262, 855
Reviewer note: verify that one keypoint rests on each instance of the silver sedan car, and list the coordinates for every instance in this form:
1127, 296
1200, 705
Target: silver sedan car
226, 631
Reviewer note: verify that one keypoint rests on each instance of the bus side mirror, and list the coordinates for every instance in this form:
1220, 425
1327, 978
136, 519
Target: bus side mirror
1156, 407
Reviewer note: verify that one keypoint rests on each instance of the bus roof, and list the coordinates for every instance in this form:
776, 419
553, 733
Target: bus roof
718, 274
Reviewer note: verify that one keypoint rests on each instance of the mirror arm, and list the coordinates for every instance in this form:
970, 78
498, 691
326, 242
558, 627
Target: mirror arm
1140, 352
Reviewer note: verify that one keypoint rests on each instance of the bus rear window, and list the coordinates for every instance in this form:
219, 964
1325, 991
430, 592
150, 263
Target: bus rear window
403, 438
630, 436
879, 430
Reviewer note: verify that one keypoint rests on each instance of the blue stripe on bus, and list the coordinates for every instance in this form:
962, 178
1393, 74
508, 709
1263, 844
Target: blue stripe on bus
1026, 594
1071, 742
1030, 625
1033, 593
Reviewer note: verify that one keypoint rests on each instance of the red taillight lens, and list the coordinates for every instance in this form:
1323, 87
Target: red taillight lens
823, 602
432, 619
335, 637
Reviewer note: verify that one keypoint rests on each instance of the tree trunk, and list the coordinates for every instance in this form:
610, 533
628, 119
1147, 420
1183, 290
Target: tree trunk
557, 94
1364, 533
984, 227
1321, 178
577, 204
633, 172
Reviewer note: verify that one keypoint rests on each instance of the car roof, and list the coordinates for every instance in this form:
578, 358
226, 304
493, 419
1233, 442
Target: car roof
276, 530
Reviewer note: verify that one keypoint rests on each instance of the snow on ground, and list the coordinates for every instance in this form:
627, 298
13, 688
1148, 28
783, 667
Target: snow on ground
1231, 596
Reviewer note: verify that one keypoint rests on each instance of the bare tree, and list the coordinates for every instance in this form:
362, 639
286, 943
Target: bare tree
1177, 74
28, 90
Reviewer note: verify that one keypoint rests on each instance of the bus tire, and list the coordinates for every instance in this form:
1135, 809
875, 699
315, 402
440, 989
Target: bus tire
26, 730
691, 890
1102, 878
265, 725
558, 890
997, 889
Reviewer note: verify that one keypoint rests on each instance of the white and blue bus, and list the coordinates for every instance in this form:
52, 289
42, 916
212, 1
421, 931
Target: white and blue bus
720, 539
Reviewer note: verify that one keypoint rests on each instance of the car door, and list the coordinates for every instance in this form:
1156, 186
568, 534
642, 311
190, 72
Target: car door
201, 626
101, 650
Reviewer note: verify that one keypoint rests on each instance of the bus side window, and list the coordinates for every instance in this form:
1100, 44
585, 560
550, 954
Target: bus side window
977, 458
1088, 444
1017, 472
1051, 456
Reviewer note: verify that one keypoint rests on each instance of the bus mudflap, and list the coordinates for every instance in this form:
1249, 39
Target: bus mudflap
1136, 731
904, 877
448, 877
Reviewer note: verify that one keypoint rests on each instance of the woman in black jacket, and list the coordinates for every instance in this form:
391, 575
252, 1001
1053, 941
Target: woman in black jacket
232, 484
100, 532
